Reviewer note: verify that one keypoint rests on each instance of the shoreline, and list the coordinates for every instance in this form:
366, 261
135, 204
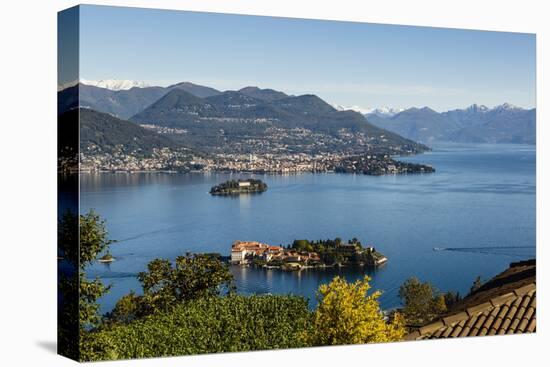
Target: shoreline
250, 173
309, 267
366, 163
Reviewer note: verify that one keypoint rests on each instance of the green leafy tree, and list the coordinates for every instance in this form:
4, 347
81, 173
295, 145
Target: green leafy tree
332, 256
346, 314
476, 285
439, 305
302, 245
81, 239
93, 242
165, 285
127, 309
422, 302
452, 298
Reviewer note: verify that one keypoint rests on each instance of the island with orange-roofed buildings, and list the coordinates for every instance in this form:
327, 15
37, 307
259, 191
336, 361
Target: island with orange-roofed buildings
304, 254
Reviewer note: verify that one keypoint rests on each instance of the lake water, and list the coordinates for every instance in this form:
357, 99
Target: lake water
479, 205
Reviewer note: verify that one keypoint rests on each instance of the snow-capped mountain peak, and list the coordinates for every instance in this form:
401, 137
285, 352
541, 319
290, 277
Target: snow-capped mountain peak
477, 108
66, 85
115, 84
383, 111
340, 107
506, 106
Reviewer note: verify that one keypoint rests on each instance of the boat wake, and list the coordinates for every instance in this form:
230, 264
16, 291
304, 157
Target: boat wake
146, 234
512, 251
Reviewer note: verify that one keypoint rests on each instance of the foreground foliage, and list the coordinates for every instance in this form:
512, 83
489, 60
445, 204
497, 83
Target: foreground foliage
348, 315
81, 239
205, 325
166, 285
423, 302
188, 307
93, 242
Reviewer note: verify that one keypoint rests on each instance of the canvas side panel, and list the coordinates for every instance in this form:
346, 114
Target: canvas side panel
68, 182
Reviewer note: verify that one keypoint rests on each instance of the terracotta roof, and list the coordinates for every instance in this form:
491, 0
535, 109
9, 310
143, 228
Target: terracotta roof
507, 304
248, 245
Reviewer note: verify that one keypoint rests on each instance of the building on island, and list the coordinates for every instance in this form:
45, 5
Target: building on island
373, 257
247, 252
243, 251
273, 253
293, 258
347, 248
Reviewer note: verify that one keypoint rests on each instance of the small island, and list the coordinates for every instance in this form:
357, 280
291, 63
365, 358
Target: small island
107, 258
237, 187
304, 254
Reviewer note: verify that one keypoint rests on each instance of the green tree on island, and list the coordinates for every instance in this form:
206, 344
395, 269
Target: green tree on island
302, 245
329, 250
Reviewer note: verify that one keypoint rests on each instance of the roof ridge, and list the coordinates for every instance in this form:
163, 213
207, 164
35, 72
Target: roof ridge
525, 289
455, 318
503, 299
473, 311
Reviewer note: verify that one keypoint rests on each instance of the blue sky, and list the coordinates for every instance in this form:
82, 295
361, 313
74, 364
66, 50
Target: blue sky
343, 62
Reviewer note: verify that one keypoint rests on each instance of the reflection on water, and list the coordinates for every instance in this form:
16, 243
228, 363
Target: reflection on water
252, 280
480, 196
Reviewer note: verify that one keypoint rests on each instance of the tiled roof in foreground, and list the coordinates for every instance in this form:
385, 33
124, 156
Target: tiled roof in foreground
504, 305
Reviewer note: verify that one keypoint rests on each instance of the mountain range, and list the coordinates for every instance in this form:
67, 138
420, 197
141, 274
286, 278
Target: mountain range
505, 123
122, 103
115, 84
215, 116
267, 117
249, 120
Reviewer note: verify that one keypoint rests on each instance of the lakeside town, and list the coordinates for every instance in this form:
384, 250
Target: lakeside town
166, 159
304, 254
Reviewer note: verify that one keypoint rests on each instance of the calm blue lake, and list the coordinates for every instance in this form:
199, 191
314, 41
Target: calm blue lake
479, 206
